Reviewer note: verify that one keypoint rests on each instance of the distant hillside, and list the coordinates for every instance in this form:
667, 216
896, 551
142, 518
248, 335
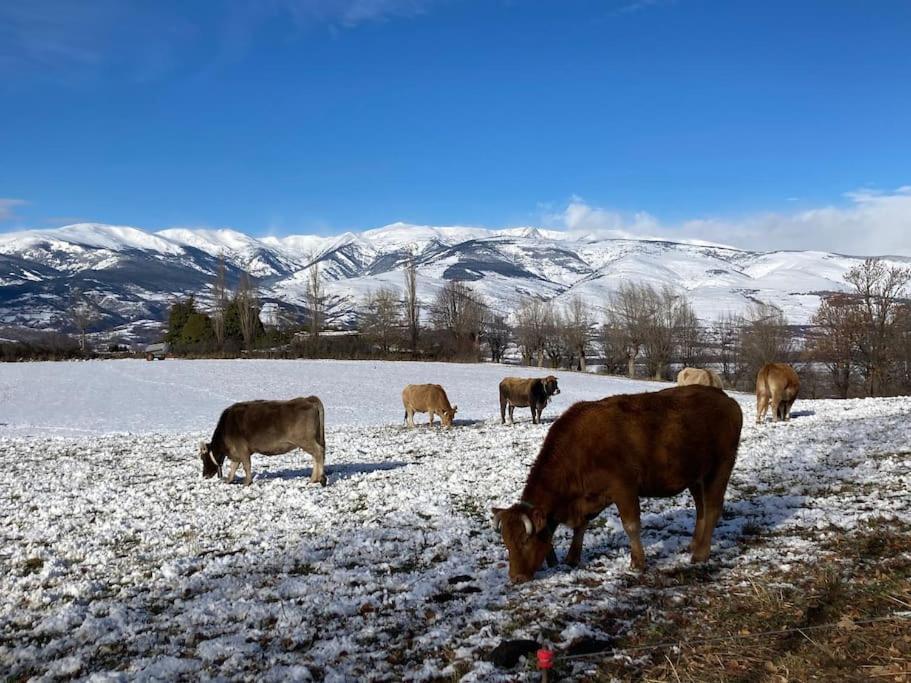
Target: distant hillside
132, 274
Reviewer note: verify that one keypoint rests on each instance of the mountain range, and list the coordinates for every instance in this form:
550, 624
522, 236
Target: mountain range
131, 275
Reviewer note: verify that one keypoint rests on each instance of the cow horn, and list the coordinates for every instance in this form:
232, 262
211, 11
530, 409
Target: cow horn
529, 527
495, 520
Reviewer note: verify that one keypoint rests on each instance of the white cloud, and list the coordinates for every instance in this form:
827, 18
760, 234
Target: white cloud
8, 208
872, 223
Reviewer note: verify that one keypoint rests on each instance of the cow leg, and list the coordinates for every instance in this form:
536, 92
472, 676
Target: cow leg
409, 417
776, 405
232, 470
698, 494
552, 557
248, 470
534, 414
319, 463
628, 507
502, 409
575, 548
511, 409
432, 415
762, 405
713, 500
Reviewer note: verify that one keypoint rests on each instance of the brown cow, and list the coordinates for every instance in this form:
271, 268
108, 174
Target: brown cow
270, 428
427, 398
776, 386
618, 450
705, 377
517, 392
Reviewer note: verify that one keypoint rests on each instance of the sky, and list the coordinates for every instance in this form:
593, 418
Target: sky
759, 124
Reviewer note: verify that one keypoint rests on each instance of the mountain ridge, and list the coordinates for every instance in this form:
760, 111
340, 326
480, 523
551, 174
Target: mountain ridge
131, 274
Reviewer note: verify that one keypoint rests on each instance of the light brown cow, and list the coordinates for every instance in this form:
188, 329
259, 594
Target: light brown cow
705, 377
616, 451
427, 398
270, 428
777, 385
518, 392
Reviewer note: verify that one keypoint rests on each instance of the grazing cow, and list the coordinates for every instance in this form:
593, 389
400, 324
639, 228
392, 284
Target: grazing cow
705, 377
427, 398
618, 450
776, 386
270, 428
517, 392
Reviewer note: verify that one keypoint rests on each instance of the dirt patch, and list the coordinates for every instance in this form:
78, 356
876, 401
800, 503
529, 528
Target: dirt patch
833, 621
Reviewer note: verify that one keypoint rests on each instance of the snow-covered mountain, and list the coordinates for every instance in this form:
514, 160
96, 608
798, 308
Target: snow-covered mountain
131, 275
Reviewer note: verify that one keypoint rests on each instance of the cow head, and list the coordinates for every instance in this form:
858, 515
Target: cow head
448, 416
550, 385
211, 464
527, 538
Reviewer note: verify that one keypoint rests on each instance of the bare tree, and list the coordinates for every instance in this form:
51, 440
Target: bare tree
219, 303
82, 313
613, 349
497, 334
628, 312
315, 301
690, 338
577, 329
879, 290
727, 336
834, 339
554, 345
412, 306
668, 313
247, 301
765, 336
458, 311
903, 347
531, 332
380, 320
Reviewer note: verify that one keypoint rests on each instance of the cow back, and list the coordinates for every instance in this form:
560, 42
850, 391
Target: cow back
520, 391
657, 443
778, 378
267, 427
426, 397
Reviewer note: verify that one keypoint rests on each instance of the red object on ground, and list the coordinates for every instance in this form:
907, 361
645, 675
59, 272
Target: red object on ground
545, 659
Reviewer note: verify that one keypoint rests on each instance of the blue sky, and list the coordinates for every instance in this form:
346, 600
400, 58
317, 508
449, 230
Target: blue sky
294, 116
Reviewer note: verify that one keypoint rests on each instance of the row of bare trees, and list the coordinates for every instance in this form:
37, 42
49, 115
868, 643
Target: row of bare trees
863, 337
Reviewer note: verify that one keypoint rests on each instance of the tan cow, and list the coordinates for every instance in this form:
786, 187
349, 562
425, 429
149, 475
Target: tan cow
270, 428
427, 398
535, 393
705, 377
777, 385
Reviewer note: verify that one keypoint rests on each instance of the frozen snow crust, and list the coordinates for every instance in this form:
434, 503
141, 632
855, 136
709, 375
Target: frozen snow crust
120, 561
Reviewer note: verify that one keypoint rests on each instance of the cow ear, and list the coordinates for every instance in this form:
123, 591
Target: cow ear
455, 409
538, 520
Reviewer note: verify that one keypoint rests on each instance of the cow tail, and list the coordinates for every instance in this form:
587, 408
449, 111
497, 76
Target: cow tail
322, 426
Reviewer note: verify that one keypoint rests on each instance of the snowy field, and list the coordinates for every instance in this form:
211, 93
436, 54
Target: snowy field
118, 560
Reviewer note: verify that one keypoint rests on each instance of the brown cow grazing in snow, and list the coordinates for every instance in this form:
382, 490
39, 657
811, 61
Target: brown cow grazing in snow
776, 387
517, 392
618, 450
270, 428
704, 377
427, 398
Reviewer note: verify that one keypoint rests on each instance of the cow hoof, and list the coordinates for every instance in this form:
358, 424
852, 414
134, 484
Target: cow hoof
322, 481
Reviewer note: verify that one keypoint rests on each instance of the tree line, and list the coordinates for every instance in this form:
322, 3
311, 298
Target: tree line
857, 344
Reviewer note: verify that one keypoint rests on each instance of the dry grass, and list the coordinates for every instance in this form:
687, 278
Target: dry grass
866, 576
